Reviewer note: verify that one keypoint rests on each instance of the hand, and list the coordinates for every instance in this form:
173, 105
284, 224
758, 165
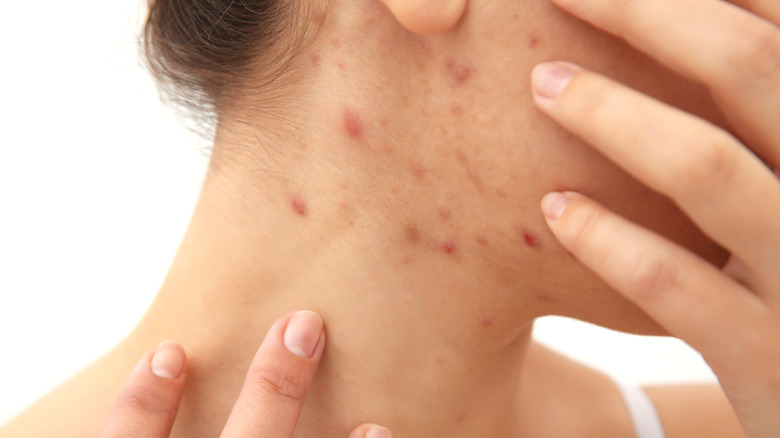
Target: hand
269, 404
731, 315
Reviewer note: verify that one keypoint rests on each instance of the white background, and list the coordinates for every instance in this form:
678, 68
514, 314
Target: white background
97, 182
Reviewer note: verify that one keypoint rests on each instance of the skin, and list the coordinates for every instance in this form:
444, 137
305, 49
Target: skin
402, 204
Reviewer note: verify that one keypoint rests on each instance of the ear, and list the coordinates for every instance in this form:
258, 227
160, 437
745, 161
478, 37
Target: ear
427, 17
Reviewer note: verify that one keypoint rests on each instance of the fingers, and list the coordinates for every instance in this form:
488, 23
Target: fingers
149, 399
690, 298
732, 51
370, 431
725, 189
278, 379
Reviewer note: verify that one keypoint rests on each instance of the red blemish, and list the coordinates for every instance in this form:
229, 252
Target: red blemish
352, 123
533, 41
440, 360
406, 260
461, 72
456, 109
315, 59
529, 238
481, 240
318, 18
445, 213
417, 170
487, 322
448, 247
341, 65
412, 234
383, 122
501, 193
460, 418
425, 45
298, 205
335, 43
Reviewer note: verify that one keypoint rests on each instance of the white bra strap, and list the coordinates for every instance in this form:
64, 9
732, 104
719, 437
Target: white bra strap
643, 413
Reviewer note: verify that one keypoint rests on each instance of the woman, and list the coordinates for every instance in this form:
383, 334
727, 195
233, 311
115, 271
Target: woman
382, 163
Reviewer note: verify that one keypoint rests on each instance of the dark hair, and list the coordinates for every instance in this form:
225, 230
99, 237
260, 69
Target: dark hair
209, 56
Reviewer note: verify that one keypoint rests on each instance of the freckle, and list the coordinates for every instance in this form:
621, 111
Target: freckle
487, 322
445, 213
481, 240
460, 72
456, 109
352, 124
412, 234
448, 247
298, 205
315, 59
529, 238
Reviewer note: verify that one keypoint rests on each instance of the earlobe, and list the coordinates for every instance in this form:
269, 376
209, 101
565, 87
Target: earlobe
427, 17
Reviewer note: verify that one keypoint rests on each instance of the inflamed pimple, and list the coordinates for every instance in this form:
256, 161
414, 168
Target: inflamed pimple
460, 72
448, 247
352, 123
298, 205
530, 239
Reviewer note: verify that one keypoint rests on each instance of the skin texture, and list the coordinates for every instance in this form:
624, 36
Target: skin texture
396, 192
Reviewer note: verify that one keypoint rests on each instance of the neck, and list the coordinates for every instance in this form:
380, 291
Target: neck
342, 216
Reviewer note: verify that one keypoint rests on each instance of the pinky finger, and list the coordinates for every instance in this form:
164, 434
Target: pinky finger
690, 298
149, 399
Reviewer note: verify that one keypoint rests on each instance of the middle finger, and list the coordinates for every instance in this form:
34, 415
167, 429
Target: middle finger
729, 49
724, 188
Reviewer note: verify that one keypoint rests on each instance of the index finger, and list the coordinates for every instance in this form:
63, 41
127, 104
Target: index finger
278, 379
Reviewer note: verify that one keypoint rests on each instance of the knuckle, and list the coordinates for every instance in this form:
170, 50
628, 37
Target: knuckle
755, 50
145, 402
278, 383
705, 164
650, 273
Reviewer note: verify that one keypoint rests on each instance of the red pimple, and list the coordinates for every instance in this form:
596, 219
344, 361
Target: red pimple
417, 170
481, 240
461, 72
529, 238
315, 59
460, 418
448, 247
298, 205
352, 124
445, 213
487, 322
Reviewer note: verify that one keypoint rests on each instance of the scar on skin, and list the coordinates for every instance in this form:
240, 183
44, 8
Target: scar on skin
352, 123
299, 205
530, 239
448, 247
470, 171
461, 72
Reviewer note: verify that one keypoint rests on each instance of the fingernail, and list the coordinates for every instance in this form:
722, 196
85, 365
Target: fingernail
378, 432
168, 360
303, 333
550, 78
554, 204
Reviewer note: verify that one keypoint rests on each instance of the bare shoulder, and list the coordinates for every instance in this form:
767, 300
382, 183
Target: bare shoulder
692, 411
